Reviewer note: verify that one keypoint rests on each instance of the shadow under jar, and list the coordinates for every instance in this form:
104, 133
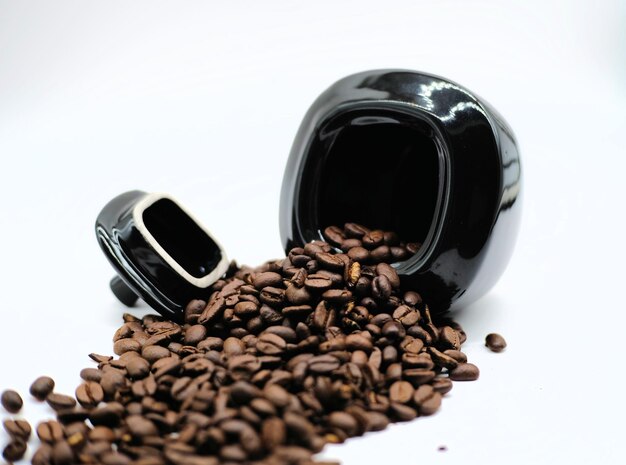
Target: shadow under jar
416, 154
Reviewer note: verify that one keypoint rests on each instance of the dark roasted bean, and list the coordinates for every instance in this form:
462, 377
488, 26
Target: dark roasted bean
495, 342
19, 429
41, 387
49, 431
465, 372
14, 450
11, 401
90, 394
60, 401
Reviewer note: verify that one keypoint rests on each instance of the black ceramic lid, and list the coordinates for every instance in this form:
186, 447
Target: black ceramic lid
414, 153
160, 251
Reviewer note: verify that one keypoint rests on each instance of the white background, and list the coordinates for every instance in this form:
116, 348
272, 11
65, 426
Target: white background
202, 100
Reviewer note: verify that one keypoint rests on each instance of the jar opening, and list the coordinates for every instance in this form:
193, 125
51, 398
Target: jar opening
379, 168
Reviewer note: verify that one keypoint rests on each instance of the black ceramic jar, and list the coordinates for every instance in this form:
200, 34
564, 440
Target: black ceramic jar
416, 154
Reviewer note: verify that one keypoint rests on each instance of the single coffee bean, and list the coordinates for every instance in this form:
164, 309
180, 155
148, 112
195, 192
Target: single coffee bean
402, 412
141, 427
213, 311
401, 391
91, 374
19, 429
273, 296
89, 394
11, 401
495, 342
154, 353
321, 364
442, 360
456, 355
234, 346
329, 261
60, 401
465, 372
14, 450
43, 455
373, 239
271, 344
381, 253
318, 282
41, 387
112, 382
126, 345
449, 338
49, 431
406, 315
62, 453
267, 279
442, 385
334, 235
194, 334
344, 421
381, 288
359, 254
337, 296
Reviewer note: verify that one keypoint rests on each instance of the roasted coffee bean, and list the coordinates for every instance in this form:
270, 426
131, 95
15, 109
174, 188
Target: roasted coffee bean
321, 364
11, 401
449, 338
406, 315
271, 344
384, 269
267, 279
91, 374
60, 401
194, 334
272, 296
381, 287
373, 239
495, 342
126, 345
329, 261
50, 431
456, 355
62, 453
112, 382
442, 385
418, 376
19, 429
334, 235
358, 342
89, 394
41, 387
359, 254
234, 346
401, 391
442, 360
14, 450
402, 412
465, 372
213, 311
427, 399
140, 427
138, 368
318, 282
43, 455
337, 296
381, 253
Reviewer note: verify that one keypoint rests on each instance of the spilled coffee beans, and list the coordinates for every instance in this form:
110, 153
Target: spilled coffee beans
282, 359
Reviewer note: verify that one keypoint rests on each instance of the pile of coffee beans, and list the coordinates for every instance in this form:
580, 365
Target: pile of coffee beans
282, 359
